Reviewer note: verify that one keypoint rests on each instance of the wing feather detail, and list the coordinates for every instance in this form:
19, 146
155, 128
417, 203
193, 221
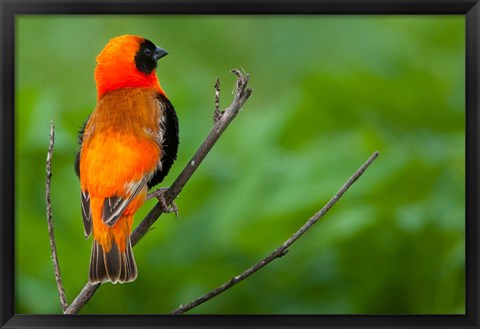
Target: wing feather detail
114, 206
86, 213
168, 126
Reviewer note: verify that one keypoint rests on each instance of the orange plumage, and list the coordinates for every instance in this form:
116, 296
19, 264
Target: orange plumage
128, 145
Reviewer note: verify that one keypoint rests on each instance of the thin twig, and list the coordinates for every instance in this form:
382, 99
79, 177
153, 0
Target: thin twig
282, 250
56, 266
242, 93
217, 114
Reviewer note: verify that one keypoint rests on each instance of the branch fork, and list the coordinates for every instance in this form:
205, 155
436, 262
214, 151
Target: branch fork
166, 196
242, 93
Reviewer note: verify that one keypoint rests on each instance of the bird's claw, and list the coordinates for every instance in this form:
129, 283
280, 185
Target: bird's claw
159, 194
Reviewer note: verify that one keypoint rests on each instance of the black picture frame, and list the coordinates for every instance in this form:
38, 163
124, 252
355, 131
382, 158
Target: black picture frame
469, 8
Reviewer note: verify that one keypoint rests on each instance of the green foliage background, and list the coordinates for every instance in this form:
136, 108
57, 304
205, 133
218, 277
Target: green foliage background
328, 91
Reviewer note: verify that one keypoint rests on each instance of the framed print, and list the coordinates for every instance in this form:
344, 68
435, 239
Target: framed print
239, 164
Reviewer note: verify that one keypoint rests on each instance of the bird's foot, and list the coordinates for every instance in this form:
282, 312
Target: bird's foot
159, 194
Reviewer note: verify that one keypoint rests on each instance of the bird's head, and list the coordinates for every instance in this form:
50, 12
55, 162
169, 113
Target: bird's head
127, 61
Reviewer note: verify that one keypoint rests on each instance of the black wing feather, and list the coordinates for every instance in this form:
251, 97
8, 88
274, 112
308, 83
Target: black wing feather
113, 208
77, 156
86, 212
170, 142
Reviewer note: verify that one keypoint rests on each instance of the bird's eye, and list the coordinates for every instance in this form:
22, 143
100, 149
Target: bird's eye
147, 51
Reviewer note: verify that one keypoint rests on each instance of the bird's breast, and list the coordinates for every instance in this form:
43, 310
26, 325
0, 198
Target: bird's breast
132, 110
122, 140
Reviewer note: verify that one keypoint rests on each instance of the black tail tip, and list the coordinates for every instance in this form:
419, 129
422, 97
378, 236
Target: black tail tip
114, 266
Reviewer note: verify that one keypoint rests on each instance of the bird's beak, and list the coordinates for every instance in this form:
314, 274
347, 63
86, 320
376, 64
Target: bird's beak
159, 53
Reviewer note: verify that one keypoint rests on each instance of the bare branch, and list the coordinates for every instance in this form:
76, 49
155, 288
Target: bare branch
56, 267
283, 249
242, 93
83, 297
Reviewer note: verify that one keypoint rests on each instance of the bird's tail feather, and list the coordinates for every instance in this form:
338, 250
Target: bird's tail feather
114, 266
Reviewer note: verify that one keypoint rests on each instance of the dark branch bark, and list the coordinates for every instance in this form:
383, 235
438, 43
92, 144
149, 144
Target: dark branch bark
51, 235
217, 114
83, 297
242, 93
283, 249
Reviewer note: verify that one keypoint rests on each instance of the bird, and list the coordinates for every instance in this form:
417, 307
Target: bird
127, 145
